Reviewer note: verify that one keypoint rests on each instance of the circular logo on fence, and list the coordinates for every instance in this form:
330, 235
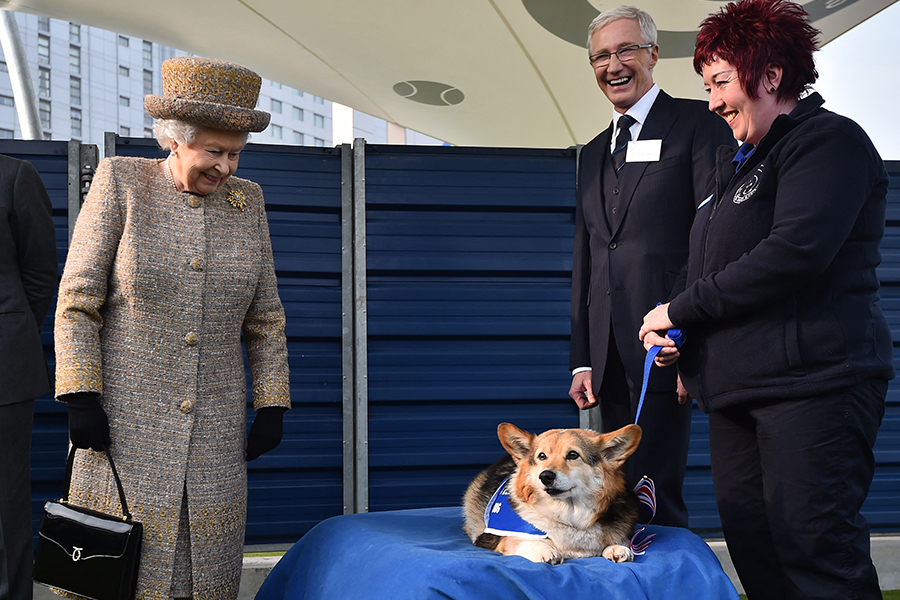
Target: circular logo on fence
430, 92
744, 192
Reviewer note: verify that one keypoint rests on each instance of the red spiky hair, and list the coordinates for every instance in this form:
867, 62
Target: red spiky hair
753, 34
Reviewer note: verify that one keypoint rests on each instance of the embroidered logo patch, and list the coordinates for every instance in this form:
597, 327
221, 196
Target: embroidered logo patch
744, 192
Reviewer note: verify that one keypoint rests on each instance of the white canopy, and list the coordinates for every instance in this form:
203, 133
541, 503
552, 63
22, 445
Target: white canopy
471, 72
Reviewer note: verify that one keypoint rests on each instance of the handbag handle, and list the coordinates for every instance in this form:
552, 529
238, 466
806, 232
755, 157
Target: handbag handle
70, 461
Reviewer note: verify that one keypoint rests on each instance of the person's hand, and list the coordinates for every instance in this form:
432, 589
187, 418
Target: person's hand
683, 395
655, 322
265, 432
88, 423
581, 391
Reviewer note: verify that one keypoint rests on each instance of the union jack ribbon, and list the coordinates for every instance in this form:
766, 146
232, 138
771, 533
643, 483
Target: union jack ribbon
646, 493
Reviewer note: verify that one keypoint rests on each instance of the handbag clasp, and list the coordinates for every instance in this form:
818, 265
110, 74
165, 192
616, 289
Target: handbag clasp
76, 553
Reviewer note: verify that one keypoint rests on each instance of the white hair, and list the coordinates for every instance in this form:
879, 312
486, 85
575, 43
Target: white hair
643, 19
167, 131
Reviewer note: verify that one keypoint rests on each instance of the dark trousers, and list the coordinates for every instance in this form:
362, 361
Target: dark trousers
16, 552
665, 436
790, 478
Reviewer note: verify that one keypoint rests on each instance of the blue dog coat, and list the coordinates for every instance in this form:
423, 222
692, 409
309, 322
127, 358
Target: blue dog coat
501, 519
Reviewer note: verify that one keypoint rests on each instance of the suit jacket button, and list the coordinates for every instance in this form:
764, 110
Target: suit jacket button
194, 202
191, 339
612, 245
197, 264
615, 190
187, 406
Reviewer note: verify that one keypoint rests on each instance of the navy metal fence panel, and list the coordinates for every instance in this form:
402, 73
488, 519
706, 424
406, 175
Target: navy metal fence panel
882, 508
468, 270
468, 256
300, 483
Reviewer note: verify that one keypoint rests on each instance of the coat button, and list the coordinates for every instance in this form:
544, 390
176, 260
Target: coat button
612, 245
191, 339
197, 264
187, 406
615, 190
194, 202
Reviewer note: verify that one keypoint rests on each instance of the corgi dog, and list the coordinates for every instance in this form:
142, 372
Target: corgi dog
564, 488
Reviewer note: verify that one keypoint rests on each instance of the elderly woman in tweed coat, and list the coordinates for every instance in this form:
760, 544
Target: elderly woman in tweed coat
170, 264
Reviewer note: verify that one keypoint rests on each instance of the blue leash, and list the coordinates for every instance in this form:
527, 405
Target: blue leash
676, 336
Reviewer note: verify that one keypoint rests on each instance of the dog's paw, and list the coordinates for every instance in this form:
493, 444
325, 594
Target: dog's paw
539, 551
618, 554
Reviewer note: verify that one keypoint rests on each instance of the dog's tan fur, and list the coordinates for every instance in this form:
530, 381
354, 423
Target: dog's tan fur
566, 482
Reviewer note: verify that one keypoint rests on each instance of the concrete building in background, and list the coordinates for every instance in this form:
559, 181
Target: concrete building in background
90, 81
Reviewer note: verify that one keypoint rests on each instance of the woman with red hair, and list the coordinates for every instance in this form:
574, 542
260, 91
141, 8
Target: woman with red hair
786, 348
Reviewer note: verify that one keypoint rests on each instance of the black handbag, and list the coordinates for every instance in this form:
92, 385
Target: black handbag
85, 552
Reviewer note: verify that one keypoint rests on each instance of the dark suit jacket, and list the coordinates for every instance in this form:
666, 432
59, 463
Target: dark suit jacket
625, 264
28, 280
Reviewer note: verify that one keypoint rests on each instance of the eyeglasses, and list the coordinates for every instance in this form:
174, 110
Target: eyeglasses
624, 54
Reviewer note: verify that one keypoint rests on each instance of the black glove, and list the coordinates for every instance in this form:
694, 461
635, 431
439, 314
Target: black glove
88, 424
265, 432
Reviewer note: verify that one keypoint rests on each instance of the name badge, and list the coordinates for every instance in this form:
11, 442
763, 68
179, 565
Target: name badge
643, 151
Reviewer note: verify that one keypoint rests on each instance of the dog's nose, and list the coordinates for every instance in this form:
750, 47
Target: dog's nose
547, 477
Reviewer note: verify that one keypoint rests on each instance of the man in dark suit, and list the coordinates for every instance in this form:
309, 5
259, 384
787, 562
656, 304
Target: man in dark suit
639, 183
28, 280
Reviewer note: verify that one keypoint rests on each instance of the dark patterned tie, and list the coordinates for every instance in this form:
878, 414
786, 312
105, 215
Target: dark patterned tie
618, 155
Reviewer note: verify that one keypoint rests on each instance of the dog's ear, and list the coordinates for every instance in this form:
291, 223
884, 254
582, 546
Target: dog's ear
620, 444
516, 441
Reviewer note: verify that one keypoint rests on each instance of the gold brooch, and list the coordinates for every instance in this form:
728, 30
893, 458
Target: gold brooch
237, 199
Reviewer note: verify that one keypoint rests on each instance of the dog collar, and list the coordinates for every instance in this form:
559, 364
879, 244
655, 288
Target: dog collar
500, 518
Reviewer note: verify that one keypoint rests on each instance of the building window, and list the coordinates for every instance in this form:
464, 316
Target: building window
44, 110
7, 101
318, 120
75, 118
75, 90
124, 101
43, 50
6, 134
276, 106
148, 120
298, 138
44, 24
276, 85
318, 100
298, 114
148, 81
75, 33
148, 54
124, 131
3, 67
124, 71
320, 143
43, 82
75, 60
276, 132
148, 132
123, 41
298, 93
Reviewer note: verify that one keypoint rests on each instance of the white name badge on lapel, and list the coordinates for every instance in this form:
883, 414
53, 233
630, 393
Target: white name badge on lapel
643, 151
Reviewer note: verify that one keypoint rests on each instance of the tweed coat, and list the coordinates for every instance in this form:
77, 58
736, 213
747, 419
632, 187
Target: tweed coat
158, 288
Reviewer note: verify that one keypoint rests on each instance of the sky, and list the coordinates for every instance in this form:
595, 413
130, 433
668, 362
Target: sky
859, 77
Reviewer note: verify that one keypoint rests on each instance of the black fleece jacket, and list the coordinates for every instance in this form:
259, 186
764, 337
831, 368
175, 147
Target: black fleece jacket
779, 294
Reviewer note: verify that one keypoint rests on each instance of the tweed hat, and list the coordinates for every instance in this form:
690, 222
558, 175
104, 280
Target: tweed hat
208, 92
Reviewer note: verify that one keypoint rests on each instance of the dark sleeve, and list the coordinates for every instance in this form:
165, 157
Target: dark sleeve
579, 347
35, 240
